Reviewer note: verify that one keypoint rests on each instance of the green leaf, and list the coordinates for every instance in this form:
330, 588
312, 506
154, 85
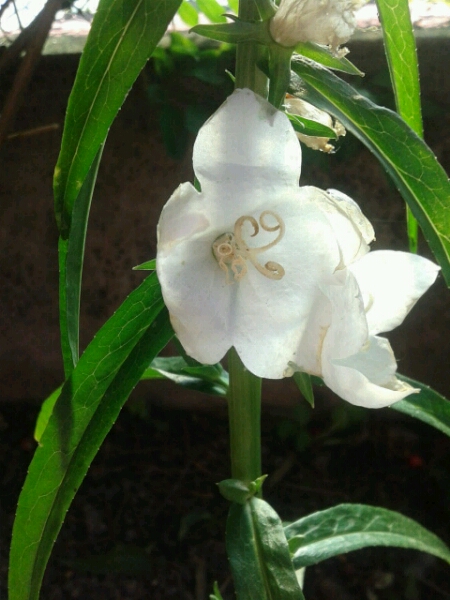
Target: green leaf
123, 35
421, 180
400, 46
150, 265
216, 595
349, 527
209, 379
87, 408
324, 56
212, 10
71, 259
427, 406
188, 14
237, 31
312, 128
304, 384
259, 555
45, 413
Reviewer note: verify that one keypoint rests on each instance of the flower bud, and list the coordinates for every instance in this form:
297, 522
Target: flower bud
326, 22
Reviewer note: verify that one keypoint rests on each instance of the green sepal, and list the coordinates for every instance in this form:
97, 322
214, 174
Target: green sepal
239, 491
259, 554
237, 31
150, 265
311, 128
304, 384
324, 56
279, 73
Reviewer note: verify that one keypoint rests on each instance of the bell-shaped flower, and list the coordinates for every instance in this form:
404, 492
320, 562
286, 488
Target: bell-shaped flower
326, 22
372, 295
243, 261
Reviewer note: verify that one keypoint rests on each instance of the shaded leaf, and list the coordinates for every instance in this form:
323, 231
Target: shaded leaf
304, 384
259, 555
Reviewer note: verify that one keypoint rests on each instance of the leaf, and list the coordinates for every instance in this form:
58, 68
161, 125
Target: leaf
188, 14
87, 408
304, 384
71, 259
209, 379
212, 10
348, 527
235, 32
123, 35
400, 46
427, 406
309, 127
45, 413
150, 265
324, 56
421, 180
259, 555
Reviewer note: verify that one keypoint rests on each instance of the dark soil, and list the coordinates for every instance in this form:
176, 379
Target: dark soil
148, 522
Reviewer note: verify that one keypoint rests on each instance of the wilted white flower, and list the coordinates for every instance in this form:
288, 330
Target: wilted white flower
326, 22
242, 262
297, 106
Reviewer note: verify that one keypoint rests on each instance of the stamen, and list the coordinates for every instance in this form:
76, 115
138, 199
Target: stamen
232, 252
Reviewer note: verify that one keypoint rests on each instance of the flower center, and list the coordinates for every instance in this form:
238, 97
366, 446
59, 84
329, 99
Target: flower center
232, 252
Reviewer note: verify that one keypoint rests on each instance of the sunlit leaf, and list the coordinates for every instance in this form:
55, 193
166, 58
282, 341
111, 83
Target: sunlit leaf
350, 527
415, 170
123, 36
427, 406
85, 411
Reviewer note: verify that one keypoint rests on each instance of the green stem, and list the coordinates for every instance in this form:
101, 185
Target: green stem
248, 54
244, 413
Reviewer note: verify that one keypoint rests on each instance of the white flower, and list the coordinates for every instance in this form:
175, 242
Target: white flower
372, 295
326, 22
296, 106
242, 263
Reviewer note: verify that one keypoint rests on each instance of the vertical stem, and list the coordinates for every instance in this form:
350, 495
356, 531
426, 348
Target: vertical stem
244, 412
248, 54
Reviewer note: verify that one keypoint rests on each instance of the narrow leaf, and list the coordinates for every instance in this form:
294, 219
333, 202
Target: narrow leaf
188, 14
212, 10
427, 406
259, 555
312, 128
401, 54
421, 180
234, 32
82, 416
45, 413
209, 379
123, 35
324, 56
349, 527
71, 259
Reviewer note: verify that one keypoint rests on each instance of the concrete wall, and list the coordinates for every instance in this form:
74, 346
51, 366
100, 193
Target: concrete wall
136, 178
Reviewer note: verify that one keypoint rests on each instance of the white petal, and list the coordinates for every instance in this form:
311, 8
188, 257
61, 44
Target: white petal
194, 289
391, 283
351, 228
249, 143
274, 318
368, 377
